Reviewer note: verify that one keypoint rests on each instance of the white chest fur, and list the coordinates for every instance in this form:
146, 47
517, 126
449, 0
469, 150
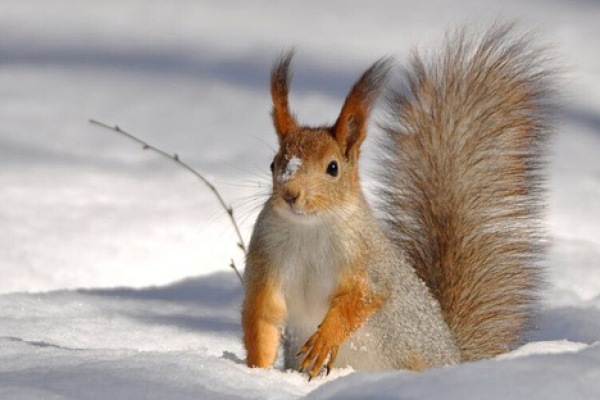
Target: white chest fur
309, 258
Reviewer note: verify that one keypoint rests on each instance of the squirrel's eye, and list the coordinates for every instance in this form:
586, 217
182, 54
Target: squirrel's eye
272, 167
332, 168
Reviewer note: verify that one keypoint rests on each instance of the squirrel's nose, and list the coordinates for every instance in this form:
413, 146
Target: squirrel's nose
290, 196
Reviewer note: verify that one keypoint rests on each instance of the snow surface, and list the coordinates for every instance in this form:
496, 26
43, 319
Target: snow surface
292, 166
114, 262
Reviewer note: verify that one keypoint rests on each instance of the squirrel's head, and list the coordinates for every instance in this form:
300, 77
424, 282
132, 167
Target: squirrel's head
316, 169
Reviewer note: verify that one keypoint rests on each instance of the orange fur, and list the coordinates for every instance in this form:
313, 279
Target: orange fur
350, 307
283, 119
350, 128
262, 317
317, 148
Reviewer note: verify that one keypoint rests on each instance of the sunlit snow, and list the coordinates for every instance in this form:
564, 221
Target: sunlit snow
115, 262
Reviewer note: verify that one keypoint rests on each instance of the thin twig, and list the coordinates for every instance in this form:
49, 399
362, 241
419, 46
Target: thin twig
175, 158
237, 272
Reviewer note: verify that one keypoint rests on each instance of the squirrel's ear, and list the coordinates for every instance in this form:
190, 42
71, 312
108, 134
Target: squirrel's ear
350, 129
283, 119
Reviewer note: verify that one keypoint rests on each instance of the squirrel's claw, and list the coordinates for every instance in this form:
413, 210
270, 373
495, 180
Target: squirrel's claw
332, 358
317, 351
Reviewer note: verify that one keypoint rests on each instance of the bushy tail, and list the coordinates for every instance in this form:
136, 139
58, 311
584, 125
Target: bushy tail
464, 151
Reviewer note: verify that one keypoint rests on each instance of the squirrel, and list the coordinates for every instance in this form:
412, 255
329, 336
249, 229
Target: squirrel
446, 270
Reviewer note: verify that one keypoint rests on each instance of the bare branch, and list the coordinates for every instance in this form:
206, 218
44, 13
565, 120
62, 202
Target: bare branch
237, 271
176, 159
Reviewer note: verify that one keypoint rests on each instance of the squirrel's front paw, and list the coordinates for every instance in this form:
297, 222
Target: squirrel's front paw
320, 348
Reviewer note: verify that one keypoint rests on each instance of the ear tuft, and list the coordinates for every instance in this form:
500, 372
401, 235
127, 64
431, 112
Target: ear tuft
350, 128
283, 119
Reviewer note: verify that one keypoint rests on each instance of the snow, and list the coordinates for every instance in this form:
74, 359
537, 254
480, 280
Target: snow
114, 262
560, 376
290, 170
